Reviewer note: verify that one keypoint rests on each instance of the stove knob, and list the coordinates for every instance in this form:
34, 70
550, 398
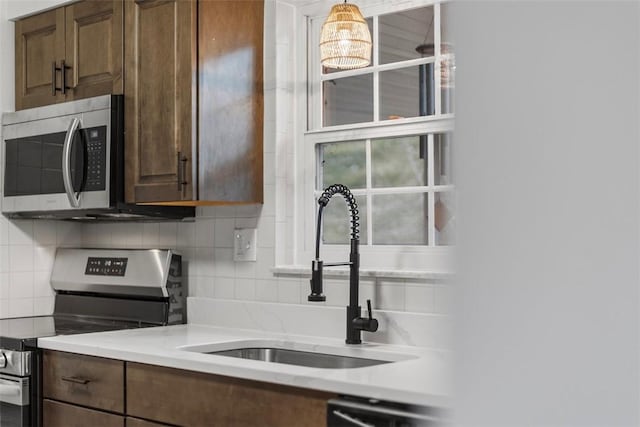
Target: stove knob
3, 360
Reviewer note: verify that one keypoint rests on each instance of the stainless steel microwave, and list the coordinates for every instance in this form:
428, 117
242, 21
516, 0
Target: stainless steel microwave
66, 161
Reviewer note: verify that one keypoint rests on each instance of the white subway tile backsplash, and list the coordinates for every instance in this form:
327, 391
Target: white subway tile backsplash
223, 264
21, 258
245, 289
68, 234
21, 285
420, 299
44, 233
245, 269
288, 290
4, 286
390, 295
4, 308
43, 305
336, 291
20, 232
248, 211
4, 230
150, 235
21, 307
43, 257
186, 234
167, 235
269, 208
267, 232
224, 287
264, 263
4, 259
266, 290
42, 285
251, 222
223, 232
205, 233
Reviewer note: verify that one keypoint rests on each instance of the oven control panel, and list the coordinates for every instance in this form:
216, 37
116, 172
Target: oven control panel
98, 266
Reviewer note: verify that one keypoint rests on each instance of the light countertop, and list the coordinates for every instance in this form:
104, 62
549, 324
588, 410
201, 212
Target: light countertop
422, 378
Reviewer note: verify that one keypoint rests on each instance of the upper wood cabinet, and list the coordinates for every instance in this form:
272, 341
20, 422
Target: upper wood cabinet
231, 111
194, 101
160, 99
69, 53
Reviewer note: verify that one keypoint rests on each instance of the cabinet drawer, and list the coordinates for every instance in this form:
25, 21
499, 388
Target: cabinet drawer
188, 398
137, 422
85, 380
57, 414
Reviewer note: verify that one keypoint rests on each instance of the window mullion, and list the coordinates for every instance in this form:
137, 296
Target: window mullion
438, 64
431, 209
376, 74
369, 195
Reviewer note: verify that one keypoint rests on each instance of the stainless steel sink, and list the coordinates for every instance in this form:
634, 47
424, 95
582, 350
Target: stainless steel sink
300, 358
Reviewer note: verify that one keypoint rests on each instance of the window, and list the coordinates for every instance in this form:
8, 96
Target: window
385, 131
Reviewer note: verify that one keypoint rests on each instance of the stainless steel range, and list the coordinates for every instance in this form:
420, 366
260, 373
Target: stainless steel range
97, 290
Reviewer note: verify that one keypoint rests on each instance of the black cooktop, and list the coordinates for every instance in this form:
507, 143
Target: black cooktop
21, 333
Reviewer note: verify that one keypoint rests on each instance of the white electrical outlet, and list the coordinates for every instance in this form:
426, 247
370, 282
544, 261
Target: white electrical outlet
244, 244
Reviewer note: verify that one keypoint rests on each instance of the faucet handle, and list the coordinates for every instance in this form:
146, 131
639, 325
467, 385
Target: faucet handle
369, 309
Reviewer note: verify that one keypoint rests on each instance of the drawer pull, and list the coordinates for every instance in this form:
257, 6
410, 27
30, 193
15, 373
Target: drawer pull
76, 380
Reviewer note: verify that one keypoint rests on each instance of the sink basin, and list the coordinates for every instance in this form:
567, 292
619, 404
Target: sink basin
306, 354
300, 358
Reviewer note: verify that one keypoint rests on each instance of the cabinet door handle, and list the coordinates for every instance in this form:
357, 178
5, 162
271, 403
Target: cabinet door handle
54, 69
182, 179
76, 380
63, 69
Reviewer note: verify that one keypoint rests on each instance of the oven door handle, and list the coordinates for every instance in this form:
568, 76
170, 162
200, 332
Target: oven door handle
74, 198
14, 391
9, 388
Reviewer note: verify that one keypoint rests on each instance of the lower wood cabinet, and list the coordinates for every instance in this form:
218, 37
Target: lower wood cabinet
84, 390
195, 399
89, 381
58, 414
137, 422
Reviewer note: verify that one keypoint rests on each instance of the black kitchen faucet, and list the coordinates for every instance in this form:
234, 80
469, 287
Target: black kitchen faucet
355, 323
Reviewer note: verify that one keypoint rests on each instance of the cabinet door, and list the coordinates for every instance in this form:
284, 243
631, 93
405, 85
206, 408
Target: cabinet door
57, 414
39, 42
231, 100
188, 398
160, 96
94, 48
84, 380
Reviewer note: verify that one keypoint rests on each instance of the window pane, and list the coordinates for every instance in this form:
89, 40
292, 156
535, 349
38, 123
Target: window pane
442, 158
336, 221
400, 219
407, 92
399, 162
448, 63
343, 163
348, 100
445, 218
401, 34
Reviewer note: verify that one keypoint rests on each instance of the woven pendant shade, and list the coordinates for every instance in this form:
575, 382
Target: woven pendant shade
345, 41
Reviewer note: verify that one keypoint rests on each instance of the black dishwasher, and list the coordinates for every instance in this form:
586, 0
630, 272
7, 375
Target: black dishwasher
348, 411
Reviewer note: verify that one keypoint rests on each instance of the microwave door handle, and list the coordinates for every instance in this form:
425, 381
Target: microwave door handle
74, 198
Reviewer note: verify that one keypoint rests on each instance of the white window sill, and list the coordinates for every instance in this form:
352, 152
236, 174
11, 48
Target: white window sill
298, 270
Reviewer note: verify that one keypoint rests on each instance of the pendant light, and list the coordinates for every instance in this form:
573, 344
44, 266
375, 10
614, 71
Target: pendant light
345, 41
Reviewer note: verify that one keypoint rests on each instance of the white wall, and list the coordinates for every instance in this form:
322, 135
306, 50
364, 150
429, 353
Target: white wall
208, 243
548, 189
26, 247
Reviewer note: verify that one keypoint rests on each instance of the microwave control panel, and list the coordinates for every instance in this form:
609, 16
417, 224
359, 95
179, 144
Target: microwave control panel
98, 266
96, 146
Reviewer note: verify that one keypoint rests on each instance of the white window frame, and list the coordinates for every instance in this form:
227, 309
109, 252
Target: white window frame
309, 133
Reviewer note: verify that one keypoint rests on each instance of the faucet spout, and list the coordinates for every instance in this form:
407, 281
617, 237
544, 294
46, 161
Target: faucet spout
355, 323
